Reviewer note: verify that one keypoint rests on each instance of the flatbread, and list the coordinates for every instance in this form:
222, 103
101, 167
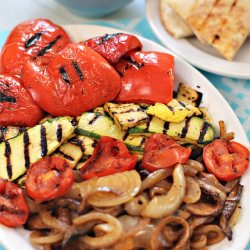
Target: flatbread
173, 23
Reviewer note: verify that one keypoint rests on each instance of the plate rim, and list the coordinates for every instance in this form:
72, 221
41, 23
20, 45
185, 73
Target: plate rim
224, 68
190, 67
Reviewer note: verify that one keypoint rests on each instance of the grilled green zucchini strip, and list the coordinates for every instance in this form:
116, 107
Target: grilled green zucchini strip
74, 149
9, 132
188, 95
126, 115
95, 125
136, 142
18, 153
191, 130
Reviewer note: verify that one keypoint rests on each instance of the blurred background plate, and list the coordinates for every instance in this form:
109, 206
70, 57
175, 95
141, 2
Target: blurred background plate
198, 54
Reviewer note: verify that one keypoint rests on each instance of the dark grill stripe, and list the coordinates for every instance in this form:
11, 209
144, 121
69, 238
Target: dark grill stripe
47, 47
32, 40
78, 70
185, 128
148, 124
64, 75
106, 37
43, 141
7, 155
94, 119
182, 104
59, 133
68, 157
203, 132
78, 143
165, 127
143, 140
6, 98
170, 108
3, 131
26, 143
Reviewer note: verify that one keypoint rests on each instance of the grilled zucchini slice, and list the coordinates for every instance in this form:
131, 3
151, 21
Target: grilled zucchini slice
188, 95
126, 115
205, 115
174, 111
74, 149
136, 142
192, 130
18, 153
95, 125
9, 132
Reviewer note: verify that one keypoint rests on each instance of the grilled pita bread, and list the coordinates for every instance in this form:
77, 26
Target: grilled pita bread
224, 24
173, 23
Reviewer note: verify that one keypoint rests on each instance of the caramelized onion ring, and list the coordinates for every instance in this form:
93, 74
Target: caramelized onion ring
163, 205
137, 204
108, 239
193, 191
38, 239
155, 243
198, 241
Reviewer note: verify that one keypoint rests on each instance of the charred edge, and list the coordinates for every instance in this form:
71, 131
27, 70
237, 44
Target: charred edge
7, 155
59, 133
199, 98
94, 119
47, 47
185, 128
182, 104
78, 143
32, 40
26, 149
78, 70
74, 122
148, 123
64, 75
5, 98
106, 37
67, 157
132, 63
204, 129
43, 141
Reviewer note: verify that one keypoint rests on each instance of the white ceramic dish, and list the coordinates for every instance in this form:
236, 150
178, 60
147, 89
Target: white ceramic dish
198, 54
15, 239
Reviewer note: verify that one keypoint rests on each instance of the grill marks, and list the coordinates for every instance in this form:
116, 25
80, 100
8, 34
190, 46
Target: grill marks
6, 98
106, 37
94, 119
59, 133
66, 156
185, 128
26, 149
48, 47
30, 42
7, 154
78, 70
43, 141
64, 75
203, 131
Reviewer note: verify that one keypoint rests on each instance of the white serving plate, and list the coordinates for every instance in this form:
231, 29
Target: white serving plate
219, 109
200, 55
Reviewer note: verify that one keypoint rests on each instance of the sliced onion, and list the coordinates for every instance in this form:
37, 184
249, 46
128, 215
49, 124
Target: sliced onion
193, 191
111, 236
38, 239
182, 242
164, 205
195, 165
198, 241
115, 189
137, 204
155, 177
213, 232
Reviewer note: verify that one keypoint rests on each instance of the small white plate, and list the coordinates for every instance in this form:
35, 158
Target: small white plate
200, 55
219, 109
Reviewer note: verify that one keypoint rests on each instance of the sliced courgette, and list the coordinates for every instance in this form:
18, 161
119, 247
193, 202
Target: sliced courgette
188, 95
136, 142
191, 130
9, 132
95, 125
205, 115
18, 153
74, 149
174, 111
126, 115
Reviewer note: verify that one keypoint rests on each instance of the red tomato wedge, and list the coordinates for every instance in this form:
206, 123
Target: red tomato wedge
37, 39
114, 46
76, 80
16, 105
162, 151
49, 178
226, 160
13, 208
110, 156
146, 77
